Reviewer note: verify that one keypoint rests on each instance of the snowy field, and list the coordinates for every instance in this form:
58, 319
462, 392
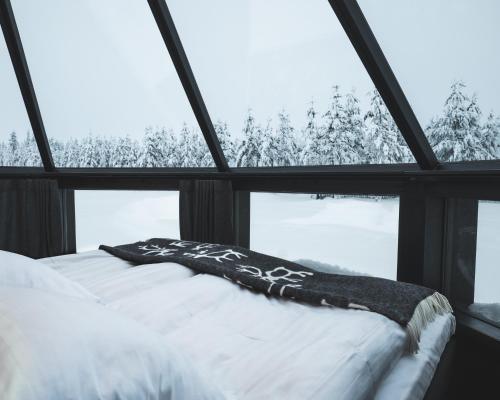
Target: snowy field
488, 253
120, 217
356, 234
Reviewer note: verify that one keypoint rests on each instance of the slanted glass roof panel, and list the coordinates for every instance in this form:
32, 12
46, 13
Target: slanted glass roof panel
107, 88
284, 85
445, 56
17, 143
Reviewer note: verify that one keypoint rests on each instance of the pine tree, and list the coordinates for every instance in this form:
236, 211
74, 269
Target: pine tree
249, 150
89, 152
191, 150
456, 135
227, 143
13, 149
4, 161
383, 143
30, 155
72, 151
314, 137
203, 157
286, 142
490, 136
321, 139
333, 121
151, 156
169, 149
349, 136
268, 146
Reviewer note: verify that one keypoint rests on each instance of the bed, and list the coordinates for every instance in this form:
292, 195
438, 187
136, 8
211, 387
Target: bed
256, 347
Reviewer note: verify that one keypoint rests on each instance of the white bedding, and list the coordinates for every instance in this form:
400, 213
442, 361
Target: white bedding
256, 347
58, 347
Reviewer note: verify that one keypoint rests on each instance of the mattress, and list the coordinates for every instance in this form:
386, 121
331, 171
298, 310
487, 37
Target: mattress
258, 347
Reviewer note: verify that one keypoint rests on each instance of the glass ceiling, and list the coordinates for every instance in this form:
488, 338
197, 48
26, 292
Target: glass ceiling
107, 88
17, 143
284, 84
445, 56
280, 78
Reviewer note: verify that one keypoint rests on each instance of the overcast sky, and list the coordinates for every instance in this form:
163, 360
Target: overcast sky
101, 66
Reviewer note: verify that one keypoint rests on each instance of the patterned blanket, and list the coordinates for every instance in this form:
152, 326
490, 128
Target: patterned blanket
411, 306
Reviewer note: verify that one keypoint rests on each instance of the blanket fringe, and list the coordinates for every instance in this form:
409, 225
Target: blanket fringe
425, 313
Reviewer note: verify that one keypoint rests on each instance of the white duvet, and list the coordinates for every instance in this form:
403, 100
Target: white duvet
255, 347
55, 347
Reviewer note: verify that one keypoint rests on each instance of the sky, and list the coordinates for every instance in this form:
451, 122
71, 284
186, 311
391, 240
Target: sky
101, 67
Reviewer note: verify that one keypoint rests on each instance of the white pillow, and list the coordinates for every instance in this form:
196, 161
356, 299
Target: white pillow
20, 271
57, 347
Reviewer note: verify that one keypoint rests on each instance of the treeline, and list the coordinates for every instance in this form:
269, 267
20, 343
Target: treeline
341, 134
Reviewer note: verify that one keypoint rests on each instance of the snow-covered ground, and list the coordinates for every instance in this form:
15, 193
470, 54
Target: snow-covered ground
120, 217
487, 279
355, 234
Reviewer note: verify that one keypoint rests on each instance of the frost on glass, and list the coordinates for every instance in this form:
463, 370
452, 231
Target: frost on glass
346, 235
17, 143
107, 88
121, 217
284, 84
444, 56
487, 275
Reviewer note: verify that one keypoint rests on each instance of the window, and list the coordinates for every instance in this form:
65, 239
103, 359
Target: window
487, 276
121, 217
338, 235
284, 85
17, 143
107, 88
444, 53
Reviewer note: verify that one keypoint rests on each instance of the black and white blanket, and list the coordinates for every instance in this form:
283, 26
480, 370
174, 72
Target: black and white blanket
409, 305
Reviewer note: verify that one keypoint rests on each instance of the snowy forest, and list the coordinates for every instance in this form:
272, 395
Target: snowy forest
341, 134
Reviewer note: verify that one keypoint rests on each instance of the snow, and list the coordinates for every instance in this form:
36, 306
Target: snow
120, 217
353, 233
488, 253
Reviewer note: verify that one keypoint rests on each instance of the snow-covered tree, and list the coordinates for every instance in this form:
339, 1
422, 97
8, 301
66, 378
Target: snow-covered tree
279, 148
192, 149
227, 142
349, 136
321, 138
490, 136
29, 155
456, 134
333, 121
13, 147
268, 145
151, 155
202, 152
249, 149
383, 144
286, 142
313, 153
125, 153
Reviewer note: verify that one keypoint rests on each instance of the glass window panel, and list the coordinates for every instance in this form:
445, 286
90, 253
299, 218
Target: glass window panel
121, 217
107, 88
284, 85
444, 54
348, 235
487, 276
17, 143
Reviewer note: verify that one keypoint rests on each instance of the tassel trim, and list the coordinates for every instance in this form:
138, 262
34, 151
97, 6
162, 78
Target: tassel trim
425, 312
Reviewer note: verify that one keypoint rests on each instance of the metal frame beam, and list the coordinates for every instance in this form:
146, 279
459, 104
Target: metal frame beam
364, 42
171, 38
15, 47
